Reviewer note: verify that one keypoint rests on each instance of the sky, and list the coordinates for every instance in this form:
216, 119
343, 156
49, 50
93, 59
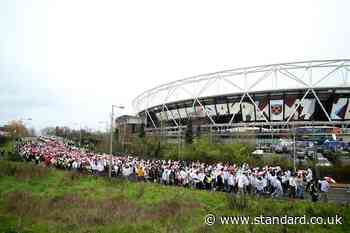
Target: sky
65, 62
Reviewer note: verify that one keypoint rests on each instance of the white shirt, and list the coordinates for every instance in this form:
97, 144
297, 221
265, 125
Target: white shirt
231, 180
127, 171
292, 181
242, 181
226, 175
309, 175
260, 184
324, 185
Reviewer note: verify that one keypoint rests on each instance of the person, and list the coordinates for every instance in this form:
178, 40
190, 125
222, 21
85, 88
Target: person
285, 182
260, 185
219, 184
140, 173
300, 186
313, 191
100, 168
225, 178
231, 182
208, 181
242, 183
278, 191
324, 189
292, 186
127, 171
308, 178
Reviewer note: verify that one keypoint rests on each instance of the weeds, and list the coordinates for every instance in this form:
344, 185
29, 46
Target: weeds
79, 203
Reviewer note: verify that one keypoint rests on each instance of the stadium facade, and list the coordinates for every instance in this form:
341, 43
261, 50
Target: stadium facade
267, 96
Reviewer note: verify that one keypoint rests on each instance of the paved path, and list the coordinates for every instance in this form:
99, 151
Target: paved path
339, 195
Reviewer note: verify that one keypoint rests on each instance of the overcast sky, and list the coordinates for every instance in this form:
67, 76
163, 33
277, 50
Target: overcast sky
66, 61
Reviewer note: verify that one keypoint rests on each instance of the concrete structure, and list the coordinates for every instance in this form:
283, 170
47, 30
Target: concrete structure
127, 126
275, 96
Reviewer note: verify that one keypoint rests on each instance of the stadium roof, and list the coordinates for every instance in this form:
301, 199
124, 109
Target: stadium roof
308, 75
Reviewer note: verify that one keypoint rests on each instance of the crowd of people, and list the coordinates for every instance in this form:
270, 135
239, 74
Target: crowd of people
226, 177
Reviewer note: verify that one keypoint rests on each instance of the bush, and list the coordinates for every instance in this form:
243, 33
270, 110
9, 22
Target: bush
22, 171
202, 150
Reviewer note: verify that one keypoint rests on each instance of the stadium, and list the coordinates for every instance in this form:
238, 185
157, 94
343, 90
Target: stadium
266, 97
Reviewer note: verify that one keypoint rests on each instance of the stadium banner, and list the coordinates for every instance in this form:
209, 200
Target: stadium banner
290, 105
340, 109
175, 113
262, 110
222, 109
276, 110
347, 112
210, 109
234, 108
248, 111
307, 109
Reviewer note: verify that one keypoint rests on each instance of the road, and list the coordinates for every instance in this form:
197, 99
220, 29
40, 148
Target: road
339, 195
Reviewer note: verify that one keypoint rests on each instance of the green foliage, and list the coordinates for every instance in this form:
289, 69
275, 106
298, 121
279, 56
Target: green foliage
8, 151
189, 132
142, 131
202, 150
36, 199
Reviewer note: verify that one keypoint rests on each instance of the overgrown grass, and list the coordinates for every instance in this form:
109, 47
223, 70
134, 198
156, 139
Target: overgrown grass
35, 199
7, 146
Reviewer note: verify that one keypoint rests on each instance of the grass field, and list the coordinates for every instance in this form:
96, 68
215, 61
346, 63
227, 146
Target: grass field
36, 199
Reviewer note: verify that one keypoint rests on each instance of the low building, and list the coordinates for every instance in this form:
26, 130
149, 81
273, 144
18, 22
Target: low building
127, 126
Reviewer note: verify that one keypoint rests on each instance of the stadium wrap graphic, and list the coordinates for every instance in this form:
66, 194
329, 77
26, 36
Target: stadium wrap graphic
262, 112
341, 109
291, 104
263, 109
248, 111
222, 109
316, 91
276, 109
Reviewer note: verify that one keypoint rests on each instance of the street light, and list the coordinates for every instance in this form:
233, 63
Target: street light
111, 142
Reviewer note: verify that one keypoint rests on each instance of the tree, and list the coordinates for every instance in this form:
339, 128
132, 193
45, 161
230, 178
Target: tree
189, 132
17, 129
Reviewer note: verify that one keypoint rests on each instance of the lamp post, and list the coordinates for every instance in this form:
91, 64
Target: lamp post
111, 139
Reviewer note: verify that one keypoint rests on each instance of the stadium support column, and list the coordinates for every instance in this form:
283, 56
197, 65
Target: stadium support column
293, 131
178, 141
